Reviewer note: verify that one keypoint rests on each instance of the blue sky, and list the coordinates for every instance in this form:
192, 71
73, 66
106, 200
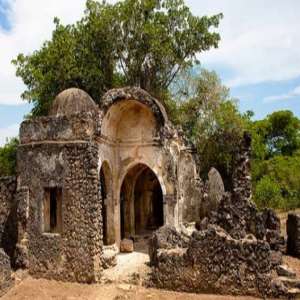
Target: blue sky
258, 57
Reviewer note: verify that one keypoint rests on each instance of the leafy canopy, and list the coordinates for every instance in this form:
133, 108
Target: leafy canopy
8, 157
133, 42
276, 160
211, 120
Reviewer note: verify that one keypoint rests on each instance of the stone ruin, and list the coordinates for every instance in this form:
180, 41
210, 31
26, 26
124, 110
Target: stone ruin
235, 249
91, 179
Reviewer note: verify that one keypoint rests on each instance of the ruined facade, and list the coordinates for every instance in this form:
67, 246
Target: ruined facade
90, 175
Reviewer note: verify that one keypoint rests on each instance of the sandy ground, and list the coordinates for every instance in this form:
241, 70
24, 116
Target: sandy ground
40, 289
118, 282
131, 266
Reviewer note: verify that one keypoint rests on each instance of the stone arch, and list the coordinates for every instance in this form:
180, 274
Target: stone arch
129, 122
153, 168
107, 210
114, 96
141, 201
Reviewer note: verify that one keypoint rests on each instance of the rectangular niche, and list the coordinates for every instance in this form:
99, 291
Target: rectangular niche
52, 219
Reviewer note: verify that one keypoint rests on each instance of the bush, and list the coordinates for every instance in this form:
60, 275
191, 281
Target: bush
8, 157
268, 193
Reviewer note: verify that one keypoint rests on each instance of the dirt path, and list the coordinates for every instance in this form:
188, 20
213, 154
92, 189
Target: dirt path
41, 289
130, 267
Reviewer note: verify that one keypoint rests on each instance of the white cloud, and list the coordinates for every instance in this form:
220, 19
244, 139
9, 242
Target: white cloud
31, 24
291, 94
260, 39
8, 132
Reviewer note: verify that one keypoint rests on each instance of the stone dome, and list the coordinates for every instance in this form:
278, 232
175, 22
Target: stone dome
72, 101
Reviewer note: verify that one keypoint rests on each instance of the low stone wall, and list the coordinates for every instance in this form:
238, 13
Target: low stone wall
5, 273
213, 262
8, 215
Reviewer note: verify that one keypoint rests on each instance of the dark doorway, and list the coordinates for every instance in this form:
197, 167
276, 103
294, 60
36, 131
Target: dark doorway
141, 202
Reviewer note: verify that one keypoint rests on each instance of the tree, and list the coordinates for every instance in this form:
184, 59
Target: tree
135, 42
78, 55
8, 157
268, 193
276, 149
278, 134
211, 120
156, 39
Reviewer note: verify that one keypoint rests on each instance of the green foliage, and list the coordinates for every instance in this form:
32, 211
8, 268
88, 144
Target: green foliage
135, 42
277, 134
8, 156
77, 56
211, 120
276, 155
268, 193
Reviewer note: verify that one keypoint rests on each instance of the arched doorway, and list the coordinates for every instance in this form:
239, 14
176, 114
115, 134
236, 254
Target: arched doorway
107, 210
141, 202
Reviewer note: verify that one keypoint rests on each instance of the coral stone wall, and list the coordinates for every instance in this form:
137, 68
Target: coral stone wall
58, 128
212, 262
8, 215
74, 253
5, 273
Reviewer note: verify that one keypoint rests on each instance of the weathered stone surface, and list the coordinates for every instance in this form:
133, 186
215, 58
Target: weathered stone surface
284, 270
275, 240
214, 262
87, 153
293, 234
8, 215
276, 258
126, 246
214, 191
166, 237
62, 128
5, 273
72, 101
271, 220
109, 256
215, 188
74, 254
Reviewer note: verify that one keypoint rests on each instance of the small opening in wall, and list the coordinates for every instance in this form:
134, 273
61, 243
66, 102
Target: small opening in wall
52, 210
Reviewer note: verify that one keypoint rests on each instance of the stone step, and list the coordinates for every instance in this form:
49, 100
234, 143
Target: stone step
285, 271
294, 293
290, 283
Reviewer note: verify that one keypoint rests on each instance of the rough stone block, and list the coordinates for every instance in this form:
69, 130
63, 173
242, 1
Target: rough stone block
126, 246
109, 256
284, 270
5, 273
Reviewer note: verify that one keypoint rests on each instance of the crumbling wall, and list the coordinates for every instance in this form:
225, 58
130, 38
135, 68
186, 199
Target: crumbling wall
8, 215
74, 253
213, 262
59, 128
235, 250
5, 273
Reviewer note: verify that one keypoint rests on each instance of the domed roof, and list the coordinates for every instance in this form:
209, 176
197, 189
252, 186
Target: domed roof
72, 101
